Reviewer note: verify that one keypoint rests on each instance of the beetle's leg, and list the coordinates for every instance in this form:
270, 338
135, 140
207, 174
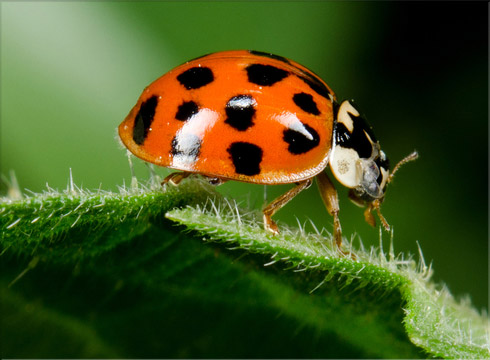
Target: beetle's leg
331, 201
278, 203
175, 178
375, 205
355, 199
370, 206
215, 180
368, 215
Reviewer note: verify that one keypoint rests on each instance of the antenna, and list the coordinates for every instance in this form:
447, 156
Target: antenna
375, 205
413, 156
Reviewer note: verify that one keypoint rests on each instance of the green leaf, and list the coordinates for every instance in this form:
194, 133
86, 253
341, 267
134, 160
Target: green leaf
185, 272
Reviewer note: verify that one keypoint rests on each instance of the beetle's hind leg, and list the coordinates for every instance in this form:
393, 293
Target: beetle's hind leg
278, 203
175, 178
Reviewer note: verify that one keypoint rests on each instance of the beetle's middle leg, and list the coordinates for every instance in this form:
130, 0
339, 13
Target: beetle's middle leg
278, 203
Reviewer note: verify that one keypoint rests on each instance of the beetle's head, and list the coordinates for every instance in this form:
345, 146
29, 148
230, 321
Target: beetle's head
358, 162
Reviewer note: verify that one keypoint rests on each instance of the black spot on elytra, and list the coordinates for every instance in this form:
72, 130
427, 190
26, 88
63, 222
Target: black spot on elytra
265, 75
310, 78
240, 111
186, 146
187, 110
301, 142
306, 103
196, 77
357, 139
270, 56
143, 119
316, 85
246, 158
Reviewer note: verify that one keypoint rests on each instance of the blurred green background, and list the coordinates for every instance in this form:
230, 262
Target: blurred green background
70, 73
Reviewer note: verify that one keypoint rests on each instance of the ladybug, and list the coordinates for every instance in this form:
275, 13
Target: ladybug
259, 118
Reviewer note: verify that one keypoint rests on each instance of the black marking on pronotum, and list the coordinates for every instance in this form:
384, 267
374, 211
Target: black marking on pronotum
143, 119
316, 85
335, 109
240, 111
187, 110
265, 75
268, 55
186, 146
196, 77
306, 103
299, 141
246, 158
357, 139
382, 163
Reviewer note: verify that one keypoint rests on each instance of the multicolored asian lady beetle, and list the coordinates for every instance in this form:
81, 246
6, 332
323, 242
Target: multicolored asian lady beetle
259, 118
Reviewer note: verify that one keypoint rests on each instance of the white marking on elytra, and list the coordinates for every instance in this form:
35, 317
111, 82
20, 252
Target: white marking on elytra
299, 127
187, 145
346, 109
291, 121
190, 136
242, 102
